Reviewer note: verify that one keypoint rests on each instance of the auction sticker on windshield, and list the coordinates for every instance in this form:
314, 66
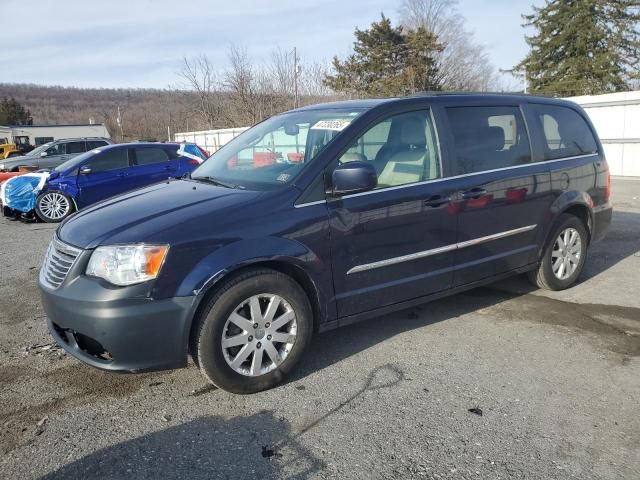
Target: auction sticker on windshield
336, 125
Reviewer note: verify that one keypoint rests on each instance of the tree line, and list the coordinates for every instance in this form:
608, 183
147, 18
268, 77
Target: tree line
577, 47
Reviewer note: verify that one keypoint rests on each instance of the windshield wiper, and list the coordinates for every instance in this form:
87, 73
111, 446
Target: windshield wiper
215, 181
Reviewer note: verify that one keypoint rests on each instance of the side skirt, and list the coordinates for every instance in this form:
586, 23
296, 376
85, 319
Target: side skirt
341, 322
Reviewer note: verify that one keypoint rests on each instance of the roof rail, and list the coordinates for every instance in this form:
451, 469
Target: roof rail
437, 93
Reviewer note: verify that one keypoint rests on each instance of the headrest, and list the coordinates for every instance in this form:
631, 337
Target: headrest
493, 138
351, 157
412, 131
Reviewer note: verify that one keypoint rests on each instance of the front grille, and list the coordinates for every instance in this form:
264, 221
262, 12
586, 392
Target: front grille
58, 261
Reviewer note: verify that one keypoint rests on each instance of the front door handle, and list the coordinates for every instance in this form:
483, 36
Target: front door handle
122, 174
473, 193
436, 201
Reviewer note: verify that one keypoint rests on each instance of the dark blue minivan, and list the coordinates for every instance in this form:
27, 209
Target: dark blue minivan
324, 216
107, 171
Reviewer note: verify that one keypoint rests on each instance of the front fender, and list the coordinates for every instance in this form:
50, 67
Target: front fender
223, 261
243, 253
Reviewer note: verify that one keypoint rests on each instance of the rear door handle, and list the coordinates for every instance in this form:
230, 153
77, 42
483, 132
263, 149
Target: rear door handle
474, 193
436, 201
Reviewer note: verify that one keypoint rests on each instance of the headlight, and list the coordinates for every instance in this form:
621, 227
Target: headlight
127, 264
1, 166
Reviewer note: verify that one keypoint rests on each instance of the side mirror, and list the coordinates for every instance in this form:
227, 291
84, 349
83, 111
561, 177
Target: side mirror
353, 177
43, 154
85, 170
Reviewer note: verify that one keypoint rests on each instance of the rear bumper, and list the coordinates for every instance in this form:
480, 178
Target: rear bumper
601, 220
114, 333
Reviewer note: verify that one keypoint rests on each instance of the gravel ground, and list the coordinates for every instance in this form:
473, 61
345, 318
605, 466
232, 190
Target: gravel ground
555, 376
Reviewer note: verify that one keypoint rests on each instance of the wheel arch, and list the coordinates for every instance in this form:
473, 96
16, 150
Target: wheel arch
576, 203
287, 266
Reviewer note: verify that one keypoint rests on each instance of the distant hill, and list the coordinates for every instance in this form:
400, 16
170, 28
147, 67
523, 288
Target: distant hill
146, 113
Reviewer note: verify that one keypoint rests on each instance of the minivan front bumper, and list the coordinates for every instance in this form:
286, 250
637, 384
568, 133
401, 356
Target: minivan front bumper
118, 334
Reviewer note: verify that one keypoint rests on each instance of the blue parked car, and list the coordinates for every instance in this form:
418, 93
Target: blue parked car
321, 217
107, 171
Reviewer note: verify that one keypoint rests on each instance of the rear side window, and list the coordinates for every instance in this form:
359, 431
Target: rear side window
109, 160
76, 147
488, 138
146, 156
95, 144
566, 133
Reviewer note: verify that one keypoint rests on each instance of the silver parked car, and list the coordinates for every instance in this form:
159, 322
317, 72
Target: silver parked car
52, 154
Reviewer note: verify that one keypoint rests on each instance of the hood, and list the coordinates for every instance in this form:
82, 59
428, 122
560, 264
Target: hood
14, 160
154, 214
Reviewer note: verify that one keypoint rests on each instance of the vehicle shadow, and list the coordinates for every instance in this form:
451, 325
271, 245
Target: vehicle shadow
254, 446
205, 448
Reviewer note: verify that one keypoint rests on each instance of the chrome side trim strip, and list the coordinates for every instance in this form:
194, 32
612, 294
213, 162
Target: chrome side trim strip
404, 258
436, 251
495, 236
308, 204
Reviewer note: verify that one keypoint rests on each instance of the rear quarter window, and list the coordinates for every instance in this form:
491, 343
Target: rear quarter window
566, 133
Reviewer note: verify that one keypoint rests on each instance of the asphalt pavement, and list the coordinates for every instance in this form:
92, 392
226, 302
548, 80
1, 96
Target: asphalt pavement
501, 382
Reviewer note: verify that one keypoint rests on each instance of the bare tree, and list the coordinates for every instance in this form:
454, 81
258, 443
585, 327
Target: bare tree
201, 78
463, 64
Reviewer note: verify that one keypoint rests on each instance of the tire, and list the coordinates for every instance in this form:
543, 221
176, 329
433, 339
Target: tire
568, 267
234, 367
53, 207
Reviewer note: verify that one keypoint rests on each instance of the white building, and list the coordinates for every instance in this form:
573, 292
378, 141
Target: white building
39, 134
210, 140
616, 117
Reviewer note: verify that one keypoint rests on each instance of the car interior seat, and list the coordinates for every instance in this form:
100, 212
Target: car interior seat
406, 162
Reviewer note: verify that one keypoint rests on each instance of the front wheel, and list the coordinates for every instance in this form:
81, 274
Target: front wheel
564, 255
53, 207
253, 331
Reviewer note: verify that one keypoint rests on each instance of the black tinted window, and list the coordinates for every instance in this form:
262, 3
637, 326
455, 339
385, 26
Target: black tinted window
95, 144
148, 155
486, 138
566, 132
109, 160
76, 147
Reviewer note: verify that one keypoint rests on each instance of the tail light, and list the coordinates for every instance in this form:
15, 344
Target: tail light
607, 192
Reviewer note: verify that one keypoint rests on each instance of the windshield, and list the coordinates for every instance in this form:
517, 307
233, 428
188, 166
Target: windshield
76, 161
274, 152
38, 150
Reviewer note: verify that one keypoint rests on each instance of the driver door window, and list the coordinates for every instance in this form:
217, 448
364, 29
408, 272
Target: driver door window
58, 149
402, 148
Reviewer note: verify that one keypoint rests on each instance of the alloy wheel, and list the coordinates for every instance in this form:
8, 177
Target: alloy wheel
566, 253
259, 334
54, 206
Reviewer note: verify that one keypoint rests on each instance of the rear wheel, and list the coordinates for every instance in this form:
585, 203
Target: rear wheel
564, 255
53, 207
253, 331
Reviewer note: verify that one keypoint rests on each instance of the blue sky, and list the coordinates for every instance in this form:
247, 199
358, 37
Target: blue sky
140, 43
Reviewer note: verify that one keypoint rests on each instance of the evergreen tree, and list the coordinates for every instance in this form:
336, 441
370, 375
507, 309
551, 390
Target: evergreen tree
12, 113
387, 61
583, 47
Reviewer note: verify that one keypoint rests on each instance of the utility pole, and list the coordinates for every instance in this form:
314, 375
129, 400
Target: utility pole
119, 122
